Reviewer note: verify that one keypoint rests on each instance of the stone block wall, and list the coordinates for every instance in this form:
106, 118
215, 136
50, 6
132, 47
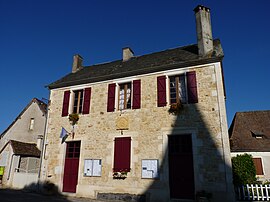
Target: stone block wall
148, 128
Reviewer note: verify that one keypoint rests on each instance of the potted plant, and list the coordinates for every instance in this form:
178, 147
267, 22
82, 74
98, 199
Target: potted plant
120, 175
175, 108
73, 119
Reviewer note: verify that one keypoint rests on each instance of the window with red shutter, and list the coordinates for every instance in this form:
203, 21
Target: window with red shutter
111, 97
183, 88
258, 165
178, 89
136, 102
161, 91
65, 103
78, 101
122, 154
124, 99
86, 101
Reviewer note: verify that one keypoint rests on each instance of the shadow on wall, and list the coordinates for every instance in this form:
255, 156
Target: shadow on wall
34, 192
194, 163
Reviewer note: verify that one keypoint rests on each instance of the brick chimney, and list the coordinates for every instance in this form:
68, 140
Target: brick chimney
127, 54
204, 31
77, 63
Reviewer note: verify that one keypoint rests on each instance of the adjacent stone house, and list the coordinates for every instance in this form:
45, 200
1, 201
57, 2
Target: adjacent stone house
151, 127
250, 133
20, 146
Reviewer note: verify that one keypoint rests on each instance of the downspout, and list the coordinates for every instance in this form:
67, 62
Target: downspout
43, 144
10, 166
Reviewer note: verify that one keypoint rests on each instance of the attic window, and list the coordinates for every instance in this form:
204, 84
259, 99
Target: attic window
31, 125
257, 134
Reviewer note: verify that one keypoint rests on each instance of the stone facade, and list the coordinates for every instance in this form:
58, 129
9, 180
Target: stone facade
149, 128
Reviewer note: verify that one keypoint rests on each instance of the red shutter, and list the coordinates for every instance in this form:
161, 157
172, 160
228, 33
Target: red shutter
161, 91
65, 103
258, 165
192, 87
136, 94
122, 154
111, 97
86, 101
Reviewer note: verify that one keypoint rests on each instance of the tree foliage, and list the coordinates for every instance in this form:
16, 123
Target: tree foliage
244, 171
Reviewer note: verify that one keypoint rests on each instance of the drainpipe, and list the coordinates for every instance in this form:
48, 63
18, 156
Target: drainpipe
43, 143
10, 166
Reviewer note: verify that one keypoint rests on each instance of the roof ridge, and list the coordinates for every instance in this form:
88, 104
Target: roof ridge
254, 111
147, 54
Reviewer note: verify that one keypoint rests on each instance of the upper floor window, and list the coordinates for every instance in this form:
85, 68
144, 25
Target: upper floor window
178, 91
182, 88
124, 96
31, 125
80, 100
129, 96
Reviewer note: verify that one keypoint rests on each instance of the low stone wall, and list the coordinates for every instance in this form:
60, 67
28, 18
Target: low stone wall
121, 197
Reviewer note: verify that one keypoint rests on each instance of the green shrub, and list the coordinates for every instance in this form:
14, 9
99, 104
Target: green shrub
244, 171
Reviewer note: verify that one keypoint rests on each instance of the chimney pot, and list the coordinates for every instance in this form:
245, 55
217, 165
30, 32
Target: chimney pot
204, 31
127, 54
77, 63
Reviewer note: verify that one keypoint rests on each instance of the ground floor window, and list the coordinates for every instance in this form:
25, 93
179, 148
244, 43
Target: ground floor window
258, 166
122, 154
28, 165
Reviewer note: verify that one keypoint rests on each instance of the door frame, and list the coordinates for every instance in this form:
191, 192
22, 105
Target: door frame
165, 152
64, 149
173, 158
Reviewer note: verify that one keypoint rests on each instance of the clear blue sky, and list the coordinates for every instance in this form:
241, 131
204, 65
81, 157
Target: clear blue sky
38, 39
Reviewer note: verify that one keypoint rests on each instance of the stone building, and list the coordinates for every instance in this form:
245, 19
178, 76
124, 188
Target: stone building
151, 127
20, 146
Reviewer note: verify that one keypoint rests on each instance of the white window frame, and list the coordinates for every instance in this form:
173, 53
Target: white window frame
169, 90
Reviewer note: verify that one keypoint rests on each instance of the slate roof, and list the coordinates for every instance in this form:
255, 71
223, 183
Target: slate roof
169, 59
244, 129
42, 106
25, 149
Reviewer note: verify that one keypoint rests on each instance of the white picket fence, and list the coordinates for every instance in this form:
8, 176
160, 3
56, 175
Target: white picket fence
252, 192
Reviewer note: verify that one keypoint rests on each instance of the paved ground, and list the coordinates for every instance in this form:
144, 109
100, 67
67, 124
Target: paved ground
9, 195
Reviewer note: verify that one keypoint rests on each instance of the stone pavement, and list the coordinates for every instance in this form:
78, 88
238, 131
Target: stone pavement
11, 195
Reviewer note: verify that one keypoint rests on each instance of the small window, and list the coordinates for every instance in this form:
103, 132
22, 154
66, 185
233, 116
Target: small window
178, 90
124, 96
78, 101
31, 125
258, 166
257, 134
73, 149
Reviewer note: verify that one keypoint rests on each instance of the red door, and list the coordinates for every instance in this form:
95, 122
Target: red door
181, 173
71, 167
